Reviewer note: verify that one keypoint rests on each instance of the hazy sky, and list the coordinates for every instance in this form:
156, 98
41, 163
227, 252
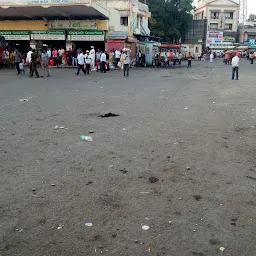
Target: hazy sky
251, 6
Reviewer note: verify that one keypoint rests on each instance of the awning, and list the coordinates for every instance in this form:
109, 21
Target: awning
53, 12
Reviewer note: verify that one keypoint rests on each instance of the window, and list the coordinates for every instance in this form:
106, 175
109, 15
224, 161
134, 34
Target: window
228, 15
214, 15
124, 21
213, 26
228, 27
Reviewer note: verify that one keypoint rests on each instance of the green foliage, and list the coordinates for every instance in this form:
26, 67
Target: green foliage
252, 17
169, 18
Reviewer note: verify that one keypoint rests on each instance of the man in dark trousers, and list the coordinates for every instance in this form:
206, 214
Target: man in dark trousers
34, 58
81, 62
18, 59
103, 60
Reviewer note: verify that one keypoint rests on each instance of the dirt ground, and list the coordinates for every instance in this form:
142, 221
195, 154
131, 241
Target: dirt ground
179, 162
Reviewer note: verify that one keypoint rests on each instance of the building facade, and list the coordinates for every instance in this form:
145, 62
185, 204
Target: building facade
72, 23
222, 21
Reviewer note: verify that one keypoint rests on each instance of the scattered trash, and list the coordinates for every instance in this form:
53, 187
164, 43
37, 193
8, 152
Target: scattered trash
146, 218
186, 108
250, 177
60, 127
124, 129
87, 138
100, 246
53, 184
60, 226
222, 249
19, 230
88, 224
188, 168
153, 179
123, 171
214, 102
194, 230
165, 90
91, 131
144, 192
148, 250
108, 115
111, 166
197, 197
33, 189
23, 100
89, 182
145, 227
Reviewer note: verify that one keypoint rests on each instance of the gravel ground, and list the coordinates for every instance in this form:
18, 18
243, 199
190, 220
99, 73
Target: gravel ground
179, 160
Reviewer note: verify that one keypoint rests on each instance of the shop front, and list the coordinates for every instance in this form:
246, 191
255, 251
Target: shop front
52, 39
16, 39
84, 39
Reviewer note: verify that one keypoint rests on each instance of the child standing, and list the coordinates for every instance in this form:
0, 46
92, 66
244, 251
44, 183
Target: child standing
21, 66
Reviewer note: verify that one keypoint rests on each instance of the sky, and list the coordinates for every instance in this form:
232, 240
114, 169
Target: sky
251, 6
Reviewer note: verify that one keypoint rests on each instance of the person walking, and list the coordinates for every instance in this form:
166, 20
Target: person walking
98, 54
28, 59
189, 60
55, 57
117, 57
88, 62
18, 59
127, 62
34, 59
6, 58
80, 60
211, 57
103, 59
235, 66
251, 56
45, 62
92, 56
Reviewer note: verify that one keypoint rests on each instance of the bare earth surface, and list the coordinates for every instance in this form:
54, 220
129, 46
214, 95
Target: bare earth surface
179, 159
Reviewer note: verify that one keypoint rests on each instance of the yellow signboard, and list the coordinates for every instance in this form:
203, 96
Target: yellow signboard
73, 24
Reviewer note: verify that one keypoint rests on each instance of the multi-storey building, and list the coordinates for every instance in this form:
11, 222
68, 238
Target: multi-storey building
222, 21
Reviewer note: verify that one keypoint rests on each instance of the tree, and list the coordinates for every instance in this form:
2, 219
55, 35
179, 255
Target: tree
252, 17
169, 18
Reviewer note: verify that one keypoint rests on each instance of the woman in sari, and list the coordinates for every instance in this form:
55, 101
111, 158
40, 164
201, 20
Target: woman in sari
64, 58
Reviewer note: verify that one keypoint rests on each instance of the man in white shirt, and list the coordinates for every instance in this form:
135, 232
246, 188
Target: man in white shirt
28, 59
88, 62
103, 60
235, 66
180, 57
211, 57
49, 52
6, 56
117, 57
127, 62
81, 62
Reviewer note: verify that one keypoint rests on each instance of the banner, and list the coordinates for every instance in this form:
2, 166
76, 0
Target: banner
73, 24
84, 35
43, 2
15, 35
48, 35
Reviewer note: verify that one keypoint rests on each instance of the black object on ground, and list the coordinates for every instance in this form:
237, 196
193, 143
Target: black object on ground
197, 197
153, 179
108, 115
250, 177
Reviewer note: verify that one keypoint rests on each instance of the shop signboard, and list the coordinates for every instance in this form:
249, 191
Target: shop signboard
16, 35
86, 35
252, 46
214, 34
73, 24
43, 2
229, 39
48, 35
